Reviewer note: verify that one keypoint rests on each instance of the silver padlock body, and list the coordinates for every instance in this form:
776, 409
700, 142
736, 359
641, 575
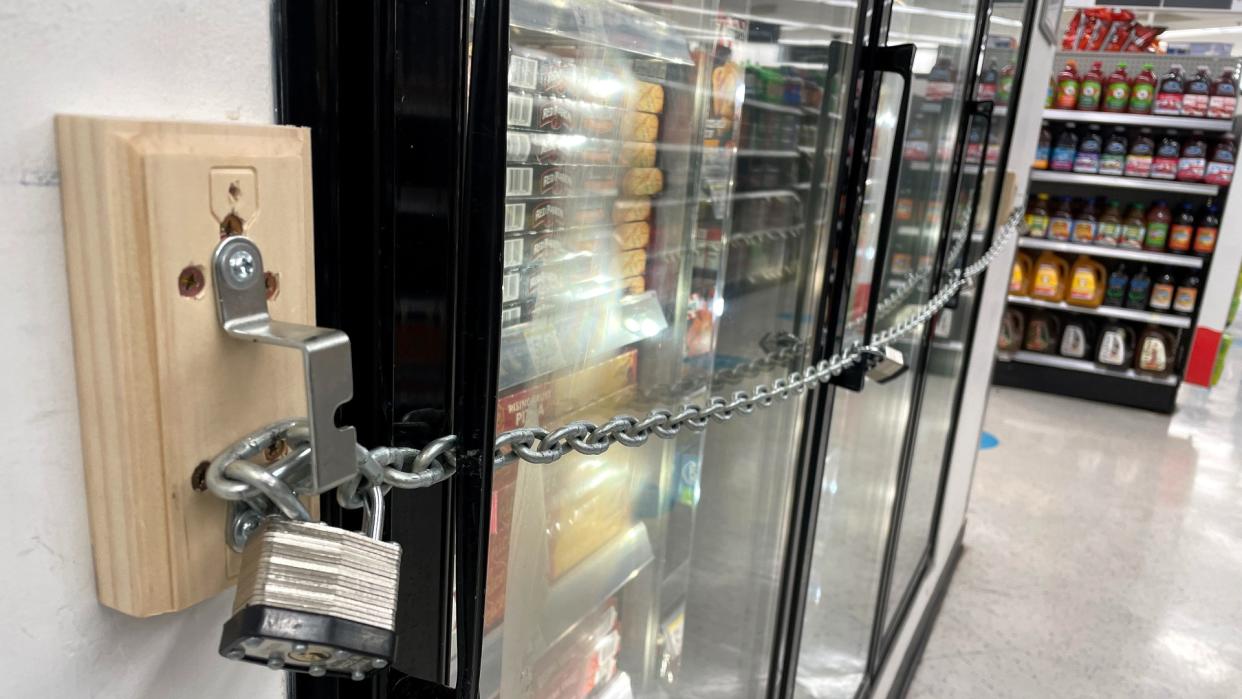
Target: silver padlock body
316, 598
889, 367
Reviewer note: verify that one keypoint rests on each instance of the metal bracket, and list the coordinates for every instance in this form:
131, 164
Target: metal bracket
241, 303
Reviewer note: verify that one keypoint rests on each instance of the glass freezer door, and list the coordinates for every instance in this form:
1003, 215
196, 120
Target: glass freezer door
666, 216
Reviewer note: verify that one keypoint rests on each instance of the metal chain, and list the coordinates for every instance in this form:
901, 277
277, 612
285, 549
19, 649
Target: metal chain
285, 445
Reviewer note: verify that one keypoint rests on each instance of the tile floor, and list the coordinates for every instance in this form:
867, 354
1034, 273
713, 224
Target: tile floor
1103, 554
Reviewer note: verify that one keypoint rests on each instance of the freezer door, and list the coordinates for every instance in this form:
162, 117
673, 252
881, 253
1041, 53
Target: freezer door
904, 235
668, 196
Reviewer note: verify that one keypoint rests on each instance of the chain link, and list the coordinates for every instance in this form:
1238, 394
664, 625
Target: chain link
285, 445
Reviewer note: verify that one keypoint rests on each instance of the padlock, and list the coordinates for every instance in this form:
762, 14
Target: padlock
314, 598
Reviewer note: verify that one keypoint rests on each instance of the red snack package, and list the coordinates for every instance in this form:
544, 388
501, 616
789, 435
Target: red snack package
1120, 35
1097, 21
1119, 22
1071, 31
1145, 37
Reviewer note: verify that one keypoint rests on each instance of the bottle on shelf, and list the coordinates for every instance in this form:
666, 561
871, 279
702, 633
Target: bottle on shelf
1142, 150
1192, 163
1067, 86
1139, 290
1037, 216
1221, 165
1061, 220
1085, 223
1043, 332
1182, 229
1043, 148
1048, 277
988, 78
1197, 89
1117, 94
1088, 282
1005, 89
1065, 149
1050, 98
1113, 156
1091, 87
1207, 230
1170, 93
1134, 227
1115, 292
1115, 345
1154, 351
1168, 153
1109, 230
1012, 330
1076, 338
1087, 159
1223, 101
1143, 91
1187, 295
1162, 290
1158, 219
1020, 275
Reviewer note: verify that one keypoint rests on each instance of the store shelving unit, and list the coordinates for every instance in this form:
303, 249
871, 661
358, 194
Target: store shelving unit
1085, 378
1113, 182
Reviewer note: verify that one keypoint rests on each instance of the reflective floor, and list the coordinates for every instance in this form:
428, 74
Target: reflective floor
1103, 553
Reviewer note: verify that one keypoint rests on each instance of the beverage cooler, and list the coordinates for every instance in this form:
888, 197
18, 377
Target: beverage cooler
540, 213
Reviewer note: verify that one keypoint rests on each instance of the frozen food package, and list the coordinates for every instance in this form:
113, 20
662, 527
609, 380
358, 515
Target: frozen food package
639, 126
637, 154
645, 97
642, 182
630, 236
635, 209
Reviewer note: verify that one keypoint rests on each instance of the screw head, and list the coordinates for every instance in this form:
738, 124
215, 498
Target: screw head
236, 654
378, 663
241, 265
275, 662
317, 671
358, 675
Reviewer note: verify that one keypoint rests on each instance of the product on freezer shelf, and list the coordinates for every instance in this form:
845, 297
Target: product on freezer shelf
629, 210
1048, 277
1088, 280
637, 154
582, 661
640, 126
1012, 330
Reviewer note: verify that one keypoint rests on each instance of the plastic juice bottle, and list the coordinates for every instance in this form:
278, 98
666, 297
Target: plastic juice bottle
1170, 93
1048, 277
1198, 89
1088, 280
1139, 290
1142, 149
1153, 355
1220, 167
1043, 332
1087, 159
1020, 275
1223, 101
988, 78
1114, 347
1091, 88
1085, 224
1109, 230
1158, 220
1075, 338
1066, 149
1005, 90
1118, 282
1134, 227
1067, 87
1168, 153
1113, 157
1061, 221
1192, 164
1050, 98
1207, 230
1117, 94
1043, 149
1143, 91
1037, 216
1162, 291
1187, 295
1182, 232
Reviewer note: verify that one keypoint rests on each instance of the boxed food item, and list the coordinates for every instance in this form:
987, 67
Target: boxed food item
642, 182
587, 501
634, 285
559, 149
634, 209
639, 126
504, 485
590, 384
643, 96
632, 263
564, 116
581, 662
554, 214
637, 154
633, 235
560, 180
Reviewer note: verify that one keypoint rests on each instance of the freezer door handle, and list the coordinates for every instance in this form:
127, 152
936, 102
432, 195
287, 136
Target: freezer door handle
899, 60
974, 109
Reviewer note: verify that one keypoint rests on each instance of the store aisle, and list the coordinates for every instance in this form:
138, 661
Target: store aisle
1103, 554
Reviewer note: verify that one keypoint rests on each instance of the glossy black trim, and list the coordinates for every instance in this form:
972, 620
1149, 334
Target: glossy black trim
884, 634
975, 108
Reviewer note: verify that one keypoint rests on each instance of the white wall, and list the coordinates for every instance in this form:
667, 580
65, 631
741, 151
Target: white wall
154, 58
